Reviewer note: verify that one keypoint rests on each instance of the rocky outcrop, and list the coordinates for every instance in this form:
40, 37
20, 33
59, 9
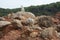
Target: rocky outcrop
26, 26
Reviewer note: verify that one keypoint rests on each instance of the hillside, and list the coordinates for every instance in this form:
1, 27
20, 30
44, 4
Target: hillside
48, 9
26, 26
44, 24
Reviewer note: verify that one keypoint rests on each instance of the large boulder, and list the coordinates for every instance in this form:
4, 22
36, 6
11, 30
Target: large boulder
45, 21
3, 23
26, 14
49, 33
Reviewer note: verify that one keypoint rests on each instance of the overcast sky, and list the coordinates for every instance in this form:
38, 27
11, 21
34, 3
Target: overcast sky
25, 3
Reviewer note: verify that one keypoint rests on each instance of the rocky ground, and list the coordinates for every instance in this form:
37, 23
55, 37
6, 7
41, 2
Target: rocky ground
27, 26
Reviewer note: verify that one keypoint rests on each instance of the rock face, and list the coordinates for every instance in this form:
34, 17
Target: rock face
26, 26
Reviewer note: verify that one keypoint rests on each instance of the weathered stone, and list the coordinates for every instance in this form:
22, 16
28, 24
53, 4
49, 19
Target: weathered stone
3, 23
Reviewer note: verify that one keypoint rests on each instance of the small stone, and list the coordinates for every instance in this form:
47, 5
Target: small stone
34, 34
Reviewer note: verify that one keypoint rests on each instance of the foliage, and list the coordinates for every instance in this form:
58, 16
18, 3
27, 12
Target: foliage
48, 9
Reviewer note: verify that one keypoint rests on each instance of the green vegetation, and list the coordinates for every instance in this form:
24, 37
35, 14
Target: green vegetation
48, 9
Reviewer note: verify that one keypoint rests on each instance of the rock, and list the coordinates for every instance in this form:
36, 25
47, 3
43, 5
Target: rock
33, 34
1, 18
3, 23
18, 22
26, 14
45, 21
30, 21
58, 27
49, 33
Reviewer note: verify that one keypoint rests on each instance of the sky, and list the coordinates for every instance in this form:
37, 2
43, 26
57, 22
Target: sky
25, 3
